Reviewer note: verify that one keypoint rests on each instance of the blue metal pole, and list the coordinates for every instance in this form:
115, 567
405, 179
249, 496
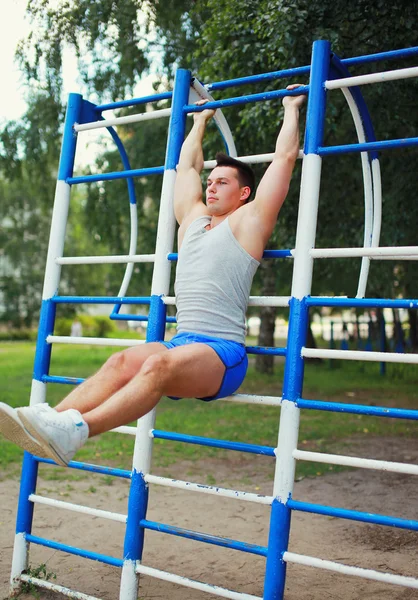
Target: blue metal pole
275, 579
138, 496
46, 326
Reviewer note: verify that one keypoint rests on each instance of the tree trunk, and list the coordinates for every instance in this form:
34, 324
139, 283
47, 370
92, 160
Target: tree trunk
310, 340
383, 343
413, 328
264, 363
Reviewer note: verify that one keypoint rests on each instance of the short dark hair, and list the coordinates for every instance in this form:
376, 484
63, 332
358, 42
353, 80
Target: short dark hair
246, 175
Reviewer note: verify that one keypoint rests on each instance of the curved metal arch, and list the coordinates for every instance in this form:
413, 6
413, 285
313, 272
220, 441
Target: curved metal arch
199, 92
370, 167
134, 219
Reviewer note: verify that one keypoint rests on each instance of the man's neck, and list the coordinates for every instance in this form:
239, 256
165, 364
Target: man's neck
217, 219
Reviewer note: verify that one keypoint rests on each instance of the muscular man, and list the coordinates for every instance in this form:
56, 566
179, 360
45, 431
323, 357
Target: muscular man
220, 243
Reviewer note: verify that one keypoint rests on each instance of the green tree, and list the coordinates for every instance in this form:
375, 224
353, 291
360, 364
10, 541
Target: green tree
226, 39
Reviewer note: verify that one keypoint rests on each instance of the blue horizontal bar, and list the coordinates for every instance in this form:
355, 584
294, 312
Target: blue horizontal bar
267, 351
277, 254
204, 537
109, 560
101, 300
125, 317
264, 96
390, 55
263, 77
134, 101
115, 175
92, 468
366, 146
362, 302
353, 515
66, 380
266, 254
201, 441
358, 409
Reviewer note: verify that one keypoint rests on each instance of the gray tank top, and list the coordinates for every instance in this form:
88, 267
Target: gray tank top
213, 282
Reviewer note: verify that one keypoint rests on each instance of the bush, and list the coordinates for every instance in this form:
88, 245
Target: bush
17, 335
62, 326
103, 326
93, 326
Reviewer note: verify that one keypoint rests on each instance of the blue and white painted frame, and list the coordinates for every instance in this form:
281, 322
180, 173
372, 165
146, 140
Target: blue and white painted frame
82, 115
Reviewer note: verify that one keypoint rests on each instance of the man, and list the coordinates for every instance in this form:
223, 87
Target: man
220, 246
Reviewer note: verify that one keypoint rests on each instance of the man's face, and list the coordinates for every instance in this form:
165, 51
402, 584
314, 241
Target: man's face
223, 191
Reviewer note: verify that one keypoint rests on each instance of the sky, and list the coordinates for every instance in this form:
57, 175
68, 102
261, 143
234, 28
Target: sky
13, 28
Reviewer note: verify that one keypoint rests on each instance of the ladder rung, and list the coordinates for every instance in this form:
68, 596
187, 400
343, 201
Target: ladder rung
98, 260
208, 489
87, 510
92, 341
216, 540
197, 585
55, 587
212, 443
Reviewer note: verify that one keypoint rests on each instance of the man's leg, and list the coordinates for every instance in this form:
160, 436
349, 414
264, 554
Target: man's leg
192, 371
189, 371
111, 377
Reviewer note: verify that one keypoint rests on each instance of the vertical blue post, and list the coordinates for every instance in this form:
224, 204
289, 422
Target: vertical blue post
177, 127
138, 495
46, 327
274, 585
57, 233
27, 487
279, 532
69, 139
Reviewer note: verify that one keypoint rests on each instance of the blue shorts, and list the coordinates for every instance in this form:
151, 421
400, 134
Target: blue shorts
232, 355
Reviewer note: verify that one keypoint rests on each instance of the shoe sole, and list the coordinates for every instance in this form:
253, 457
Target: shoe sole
45, 445
15, 432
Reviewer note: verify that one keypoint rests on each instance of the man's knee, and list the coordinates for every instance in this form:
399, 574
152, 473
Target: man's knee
120, 363
157, 364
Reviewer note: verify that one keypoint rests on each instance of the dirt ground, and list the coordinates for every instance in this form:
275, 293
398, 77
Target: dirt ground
386, 549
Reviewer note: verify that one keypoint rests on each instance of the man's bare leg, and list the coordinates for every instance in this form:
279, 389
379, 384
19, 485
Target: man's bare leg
188, 371
111, 377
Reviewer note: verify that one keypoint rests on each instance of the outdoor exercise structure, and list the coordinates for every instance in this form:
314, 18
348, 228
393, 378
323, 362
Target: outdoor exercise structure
327, 73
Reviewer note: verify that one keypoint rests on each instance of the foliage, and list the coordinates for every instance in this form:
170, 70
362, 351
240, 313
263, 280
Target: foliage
92, 326
17, 335
29, 153
39, 572
117, 42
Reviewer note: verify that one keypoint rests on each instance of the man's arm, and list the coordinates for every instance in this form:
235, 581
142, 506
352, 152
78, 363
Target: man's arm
188, 187
274, 185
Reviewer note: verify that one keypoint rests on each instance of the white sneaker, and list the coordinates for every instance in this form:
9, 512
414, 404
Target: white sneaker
60, 434
14, 430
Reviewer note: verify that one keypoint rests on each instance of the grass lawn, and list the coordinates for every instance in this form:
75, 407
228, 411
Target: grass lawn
319, 431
